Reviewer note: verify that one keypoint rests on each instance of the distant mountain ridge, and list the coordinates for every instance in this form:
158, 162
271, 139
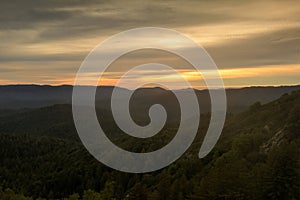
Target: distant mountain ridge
33, 96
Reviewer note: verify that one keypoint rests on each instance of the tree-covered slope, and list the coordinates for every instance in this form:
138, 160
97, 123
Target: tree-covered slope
257, 157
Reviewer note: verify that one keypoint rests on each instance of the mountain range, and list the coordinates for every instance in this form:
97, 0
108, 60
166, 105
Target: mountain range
34, 96
256, 157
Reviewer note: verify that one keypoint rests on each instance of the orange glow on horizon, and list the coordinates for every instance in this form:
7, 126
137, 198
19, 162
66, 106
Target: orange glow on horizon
228, 76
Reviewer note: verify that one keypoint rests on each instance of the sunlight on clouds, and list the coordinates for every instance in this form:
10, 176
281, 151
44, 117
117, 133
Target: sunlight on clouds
234, 77
229, 75
261, 71
216, 34
48, 46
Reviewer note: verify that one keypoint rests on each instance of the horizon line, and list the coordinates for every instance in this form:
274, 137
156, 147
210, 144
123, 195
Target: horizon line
151, 87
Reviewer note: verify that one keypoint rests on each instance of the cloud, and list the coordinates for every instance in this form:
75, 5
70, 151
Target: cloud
56, 35
274, 48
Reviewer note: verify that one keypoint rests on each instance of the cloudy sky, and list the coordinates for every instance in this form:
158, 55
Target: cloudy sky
252, 42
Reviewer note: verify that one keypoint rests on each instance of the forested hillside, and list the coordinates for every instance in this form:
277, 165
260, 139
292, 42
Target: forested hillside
257, 157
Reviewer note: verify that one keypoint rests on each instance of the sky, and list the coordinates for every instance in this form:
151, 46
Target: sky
252, 42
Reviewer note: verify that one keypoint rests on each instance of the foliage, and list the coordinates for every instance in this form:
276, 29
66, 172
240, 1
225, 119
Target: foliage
257, 157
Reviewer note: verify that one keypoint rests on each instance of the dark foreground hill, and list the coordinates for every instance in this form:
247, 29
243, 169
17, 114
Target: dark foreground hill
257, 157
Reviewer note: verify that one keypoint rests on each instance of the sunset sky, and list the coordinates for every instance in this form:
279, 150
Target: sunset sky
252, 42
